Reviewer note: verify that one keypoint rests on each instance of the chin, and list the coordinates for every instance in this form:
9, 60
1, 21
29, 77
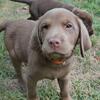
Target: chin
58, 55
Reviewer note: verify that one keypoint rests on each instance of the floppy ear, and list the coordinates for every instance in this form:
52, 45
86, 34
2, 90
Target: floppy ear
85, 42
86, 18
35, 41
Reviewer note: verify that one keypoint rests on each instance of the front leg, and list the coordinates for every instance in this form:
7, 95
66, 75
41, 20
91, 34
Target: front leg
31, 88
64, 88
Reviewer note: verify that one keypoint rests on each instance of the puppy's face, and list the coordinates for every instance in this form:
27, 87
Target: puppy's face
58, 32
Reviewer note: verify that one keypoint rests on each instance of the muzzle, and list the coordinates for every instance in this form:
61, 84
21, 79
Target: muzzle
55, 58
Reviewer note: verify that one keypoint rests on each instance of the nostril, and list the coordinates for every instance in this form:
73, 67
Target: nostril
57, 42
54, 42
50, 42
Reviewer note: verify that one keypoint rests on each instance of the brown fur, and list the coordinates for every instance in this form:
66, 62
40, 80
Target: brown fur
38, 7
33, 48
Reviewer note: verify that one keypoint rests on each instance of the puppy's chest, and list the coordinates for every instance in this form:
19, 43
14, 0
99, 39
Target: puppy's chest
52, 72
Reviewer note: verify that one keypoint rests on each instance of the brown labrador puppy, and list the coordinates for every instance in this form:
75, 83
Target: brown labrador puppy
38, 7
48, 49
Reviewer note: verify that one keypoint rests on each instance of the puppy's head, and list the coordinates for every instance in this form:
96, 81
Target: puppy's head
57, 33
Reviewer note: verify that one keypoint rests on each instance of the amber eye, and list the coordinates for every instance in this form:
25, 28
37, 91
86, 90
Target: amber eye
68, 25
45, 26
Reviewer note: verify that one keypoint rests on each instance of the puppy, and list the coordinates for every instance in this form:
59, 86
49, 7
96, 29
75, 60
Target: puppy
46, 48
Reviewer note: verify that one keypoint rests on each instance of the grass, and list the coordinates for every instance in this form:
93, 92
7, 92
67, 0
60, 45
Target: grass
85, 74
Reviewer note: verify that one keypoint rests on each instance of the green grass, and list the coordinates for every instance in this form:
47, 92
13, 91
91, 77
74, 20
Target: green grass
85, 74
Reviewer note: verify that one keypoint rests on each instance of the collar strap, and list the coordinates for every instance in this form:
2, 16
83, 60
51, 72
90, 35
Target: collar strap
57, 62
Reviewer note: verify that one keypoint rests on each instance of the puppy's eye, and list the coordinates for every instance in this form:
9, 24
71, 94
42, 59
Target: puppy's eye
45, 26
68, 25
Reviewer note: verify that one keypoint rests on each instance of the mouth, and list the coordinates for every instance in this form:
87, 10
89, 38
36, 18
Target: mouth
57, 58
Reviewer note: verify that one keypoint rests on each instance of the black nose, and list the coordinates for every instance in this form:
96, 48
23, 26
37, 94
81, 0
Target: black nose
55, 43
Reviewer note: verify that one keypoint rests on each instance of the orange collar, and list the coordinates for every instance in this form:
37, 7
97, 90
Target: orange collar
57, 62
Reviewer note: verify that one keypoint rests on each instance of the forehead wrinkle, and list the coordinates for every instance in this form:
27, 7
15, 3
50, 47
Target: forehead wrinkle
59, 17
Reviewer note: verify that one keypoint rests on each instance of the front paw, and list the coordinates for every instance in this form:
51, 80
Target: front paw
33, 98
66, 98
